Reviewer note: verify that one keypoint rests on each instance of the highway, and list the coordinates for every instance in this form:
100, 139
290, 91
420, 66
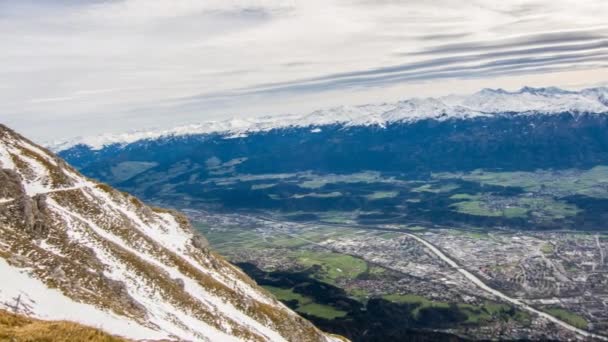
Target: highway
472, 278
475, 280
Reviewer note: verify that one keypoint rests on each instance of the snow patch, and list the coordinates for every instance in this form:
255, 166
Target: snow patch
143, 295
41, 302
39, 181
160, 312
6, 162
38, 151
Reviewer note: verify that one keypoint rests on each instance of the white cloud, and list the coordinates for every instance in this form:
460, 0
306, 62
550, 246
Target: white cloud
80, 67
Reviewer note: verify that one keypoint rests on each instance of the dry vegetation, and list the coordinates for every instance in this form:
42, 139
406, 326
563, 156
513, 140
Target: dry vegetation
16, 328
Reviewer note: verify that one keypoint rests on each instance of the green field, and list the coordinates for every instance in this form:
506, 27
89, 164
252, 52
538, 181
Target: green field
388, 235
547, 248
306, 305
476, 314
320, 310
474, 234
128, 169
318, 195
514, 212
230, 239
414, 299
541, 208
415, 228
287, 294
569, 317
313, 181
337, 217
433, 189
592, 182
336, 220
382, 195
476, 208
467, 197
333, 265
262, 186
359, 294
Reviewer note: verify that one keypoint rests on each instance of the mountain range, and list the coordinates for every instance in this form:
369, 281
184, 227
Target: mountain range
485, 103
537, 129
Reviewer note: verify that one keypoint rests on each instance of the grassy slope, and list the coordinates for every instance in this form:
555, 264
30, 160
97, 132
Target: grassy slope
19, 328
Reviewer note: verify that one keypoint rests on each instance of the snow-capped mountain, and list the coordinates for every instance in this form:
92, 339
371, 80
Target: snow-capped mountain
487, 102
74, 249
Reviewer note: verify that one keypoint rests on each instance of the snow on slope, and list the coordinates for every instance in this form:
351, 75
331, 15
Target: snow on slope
483, 103
73, 249
52, 304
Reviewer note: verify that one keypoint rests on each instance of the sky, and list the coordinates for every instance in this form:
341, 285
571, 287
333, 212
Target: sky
85, 67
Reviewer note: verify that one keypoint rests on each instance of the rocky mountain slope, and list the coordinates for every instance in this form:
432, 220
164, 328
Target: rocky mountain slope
73, 249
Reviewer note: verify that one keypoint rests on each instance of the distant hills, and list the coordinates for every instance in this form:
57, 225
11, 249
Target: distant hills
536, 128
307, 162
485, 103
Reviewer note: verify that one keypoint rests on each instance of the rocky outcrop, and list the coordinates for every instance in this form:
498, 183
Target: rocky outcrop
11, 184
32, 210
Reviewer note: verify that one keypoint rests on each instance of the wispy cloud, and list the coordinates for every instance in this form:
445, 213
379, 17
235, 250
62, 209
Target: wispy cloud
70, 65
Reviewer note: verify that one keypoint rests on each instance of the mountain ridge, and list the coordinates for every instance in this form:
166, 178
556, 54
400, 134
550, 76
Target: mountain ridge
484, 103
74, 249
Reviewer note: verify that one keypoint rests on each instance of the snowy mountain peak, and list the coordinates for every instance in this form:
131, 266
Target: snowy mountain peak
73, 249
490, 91
527, 100
545, 91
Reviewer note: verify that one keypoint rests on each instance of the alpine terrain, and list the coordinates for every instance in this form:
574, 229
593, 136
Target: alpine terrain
480, 216
75, 249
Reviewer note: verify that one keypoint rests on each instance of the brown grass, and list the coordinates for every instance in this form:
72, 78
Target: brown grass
105, 187
17, 328
57, 177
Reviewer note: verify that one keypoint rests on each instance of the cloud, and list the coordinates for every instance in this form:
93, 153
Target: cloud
457, 65
532, 40
67, 64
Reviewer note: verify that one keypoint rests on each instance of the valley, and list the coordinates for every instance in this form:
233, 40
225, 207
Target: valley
519, 254
399, 221
572, 199
392, 266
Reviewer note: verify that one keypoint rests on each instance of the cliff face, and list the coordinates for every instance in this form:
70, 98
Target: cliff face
74, 249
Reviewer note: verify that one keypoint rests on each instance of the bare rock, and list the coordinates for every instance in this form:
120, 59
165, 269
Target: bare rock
180, 282
35, 219
200, 242
10, 184
119, 289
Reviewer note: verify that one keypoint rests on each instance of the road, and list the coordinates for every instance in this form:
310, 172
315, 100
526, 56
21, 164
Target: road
475, 280
599, 246
501, 295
